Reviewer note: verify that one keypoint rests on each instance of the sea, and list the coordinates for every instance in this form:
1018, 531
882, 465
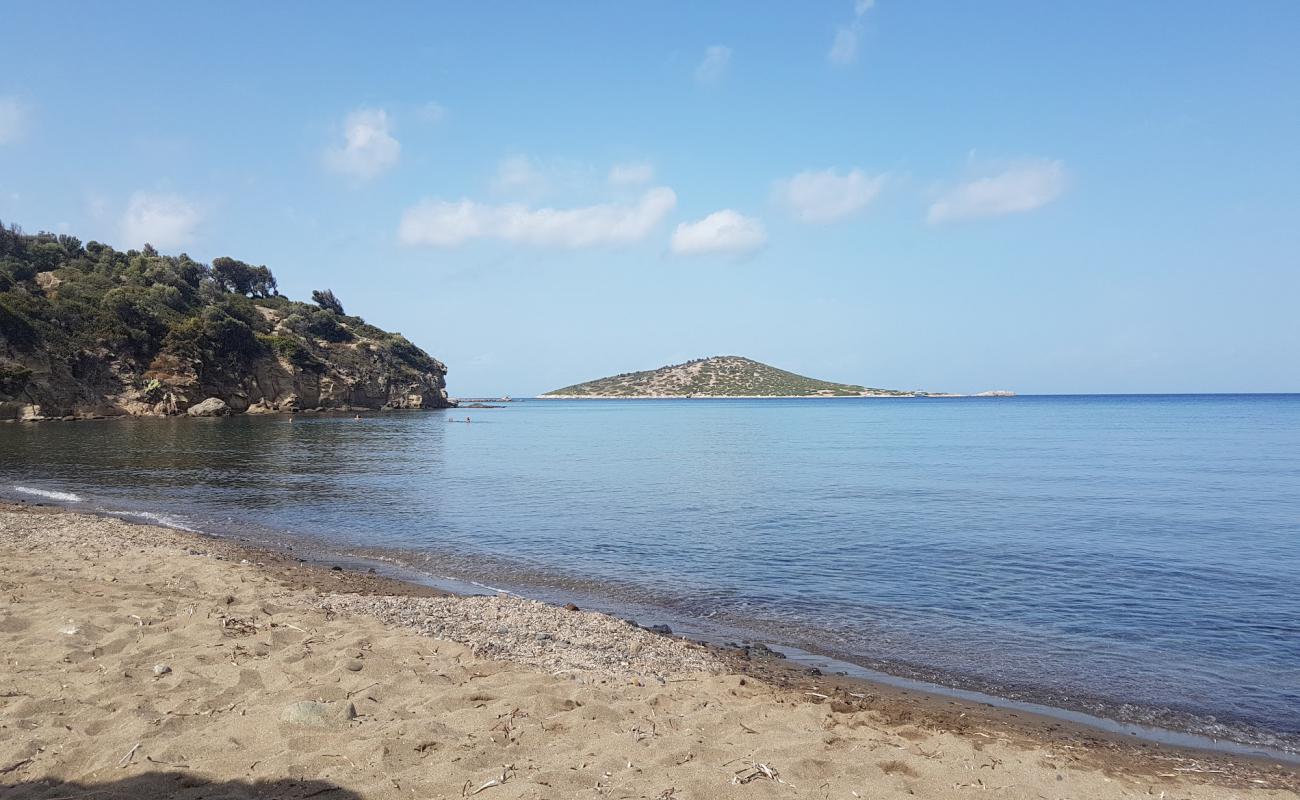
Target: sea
1128, 560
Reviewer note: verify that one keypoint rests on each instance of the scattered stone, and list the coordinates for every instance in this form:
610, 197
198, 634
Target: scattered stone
511, 628
336, 569
161, 669
308, 712
353, 666
571, 607
212, 407
662, 630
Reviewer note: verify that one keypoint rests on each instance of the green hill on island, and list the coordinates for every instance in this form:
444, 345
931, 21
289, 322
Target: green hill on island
720, 376
89, 331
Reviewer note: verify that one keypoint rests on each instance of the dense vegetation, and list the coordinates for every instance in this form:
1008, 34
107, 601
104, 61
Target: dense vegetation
70, 310
729, 376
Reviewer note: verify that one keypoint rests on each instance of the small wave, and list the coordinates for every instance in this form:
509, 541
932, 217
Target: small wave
166, 520
483, 586
67, 497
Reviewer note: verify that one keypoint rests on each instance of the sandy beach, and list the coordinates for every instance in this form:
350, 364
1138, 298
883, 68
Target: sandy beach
141, 662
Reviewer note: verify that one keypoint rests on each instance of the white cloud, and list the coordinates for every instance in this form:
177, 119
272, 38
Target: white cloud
631, 174
522, 177
827, 196
433, 112
13, 120
844, 47
714, 66
368, 148
160, 219
442, 223
519, 174
722, 232
1021, 187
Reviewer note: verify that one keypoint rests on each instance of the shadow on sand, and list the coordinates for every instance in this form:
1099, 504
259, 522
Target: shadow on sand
182, 785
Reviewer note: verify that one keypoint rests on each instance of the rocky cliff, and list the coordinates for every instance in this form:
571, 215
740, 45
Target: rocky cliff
89, 331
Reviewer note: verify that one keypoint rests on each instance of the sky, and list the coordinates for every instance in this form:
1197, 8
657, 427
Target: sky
950, 196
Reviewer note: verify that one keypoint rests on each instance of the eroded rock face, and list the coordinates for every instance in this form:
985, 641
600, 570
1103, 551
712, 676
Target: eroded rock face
356, 375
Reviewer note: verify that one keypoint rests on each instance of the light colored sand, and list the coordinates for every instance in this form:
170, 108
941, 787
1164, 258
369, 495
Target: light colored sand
89, 607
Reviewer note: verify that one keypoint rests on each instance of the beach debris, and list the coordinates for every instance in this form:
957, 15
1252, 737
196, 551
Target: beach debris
70, 629
161, 669
233, 626
754, 771
353, 665
309, 712
505, 775
130, 755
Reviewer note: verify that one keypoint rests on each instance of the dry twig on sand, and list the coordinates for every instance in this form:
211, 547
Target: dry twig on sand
754, 771
505, 775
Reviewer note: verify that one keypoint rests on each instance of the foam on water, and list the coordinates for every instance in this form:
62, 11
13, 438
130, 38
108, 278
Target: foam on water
157, 518
63, 497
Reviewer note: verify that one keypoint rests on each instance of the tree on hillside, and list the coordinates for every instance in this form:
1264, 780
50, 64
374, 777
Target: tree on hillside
326, 300
240, 278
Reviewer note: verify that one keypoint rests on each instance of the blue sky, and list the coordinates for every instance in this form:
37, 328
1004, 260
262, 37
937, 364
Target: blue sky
1045, 197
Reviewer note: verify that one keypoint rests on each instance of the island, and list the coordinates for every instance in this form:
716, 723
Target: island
716, 377
87, 331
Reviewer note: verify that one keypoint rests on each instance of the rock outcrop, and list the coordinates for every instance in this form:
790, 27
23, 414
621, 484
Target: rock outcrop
87, 331
212, 407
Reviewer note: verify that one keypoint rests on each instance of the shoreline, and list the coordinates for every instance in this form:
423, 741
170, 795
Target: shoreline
793, 685
275, 412
1179, 727
446, 573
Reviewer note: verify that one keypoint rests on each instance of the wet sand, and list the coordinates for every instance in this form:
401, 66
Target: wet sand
140, 661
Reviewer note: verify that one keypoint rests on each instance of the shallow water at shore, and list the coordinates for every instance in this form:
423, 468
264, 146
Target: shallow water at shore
1130, 556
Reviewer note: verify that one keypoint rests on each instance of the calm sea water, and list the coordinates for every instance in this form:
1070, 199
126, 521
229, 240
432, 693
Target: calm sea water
1137, 556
